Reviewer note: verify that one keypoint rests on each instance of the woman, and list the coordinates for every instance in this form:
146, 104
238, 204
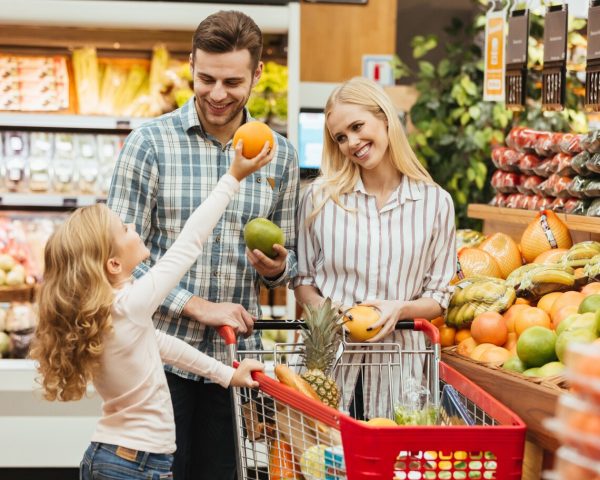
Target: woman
374, 228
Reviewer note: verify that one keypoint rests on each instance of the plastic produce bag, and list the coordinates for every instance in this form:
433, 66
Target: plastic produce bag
529, 184
592, 188
570, 143
564, 167
499, 200
577, 187
544, 145
576, 206
544, 168
415, 406
579, 163
594, 209
466, 237
528, 163
593, 164
591, 141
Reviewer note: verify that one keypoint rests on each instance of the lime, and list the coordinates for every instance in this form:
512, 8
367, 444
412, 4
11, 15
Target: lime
532, 372
262, 234
568, 337
591, 303
552, 369
535, 346
514, 364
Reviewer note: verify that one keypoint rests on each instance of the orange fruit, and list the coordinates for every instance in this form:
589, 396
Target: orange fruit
466, 347
480, 349
254, 135
438, 321
495, 355
357, 319
591, 288
563, 313
511, 341
511, 314
447, 336
546, 302
567, 298
531, 317
461, 335
522, 301
489, 327
381, 422
550, 256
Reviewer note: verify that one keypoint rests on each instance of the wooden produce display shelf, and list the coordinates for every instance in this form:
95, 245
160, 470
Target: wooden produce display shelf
577, 223
533, 402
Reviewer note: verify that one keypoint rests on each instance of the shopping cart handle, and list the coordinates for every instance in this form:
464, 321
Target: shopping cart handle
421, 325
228, 334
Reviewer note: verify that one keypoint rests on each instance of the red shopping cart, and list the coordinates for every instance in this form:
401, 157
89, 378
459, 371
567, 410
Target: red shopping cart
283, 434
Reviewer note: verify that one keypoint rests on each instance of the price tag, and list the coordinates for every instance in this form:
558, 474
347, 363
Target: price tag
493, 83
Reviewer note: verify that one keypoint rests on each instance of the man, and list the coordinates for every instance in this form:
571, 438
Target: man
166, 168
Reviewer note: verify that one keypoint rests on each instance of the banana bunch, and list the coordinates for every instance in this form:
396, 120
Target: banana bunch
543, 279
466, 237
580, 254
475, 295
592, 270
515, 278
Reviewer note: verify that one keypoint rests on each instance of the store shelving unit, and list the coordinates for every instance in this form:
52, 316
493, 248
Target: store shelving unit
40, 433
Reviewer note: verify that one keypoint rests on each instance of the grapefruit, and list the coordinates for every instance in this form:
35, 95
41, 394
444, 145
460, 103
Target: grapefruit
489, 327
262, 234
514, 364
552, 369
254, 135
591, 303
504, 250
536, 346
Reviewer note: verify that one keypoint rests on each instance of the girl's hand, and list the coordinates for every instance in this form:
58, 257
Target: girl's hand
390, 312
241, 167
242, 376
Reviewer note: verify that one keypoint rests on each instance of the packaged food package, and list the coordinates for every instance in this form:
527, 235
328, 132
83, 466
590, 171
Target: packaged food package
16, 152
576, 206
592, 188
476, 295
508, 160
63, 163
88, 164
529, 184
499, 200
593, 164
564, 167
570, 143
41, 152
594, 208
591, 141
544, 145
528, 163
544, 168
558, 205
577, 187
505, 182
579, 163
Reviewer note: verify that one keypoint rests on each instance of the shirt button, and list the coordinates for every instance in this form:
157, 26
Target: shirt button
216, 273
218, 239
258, 180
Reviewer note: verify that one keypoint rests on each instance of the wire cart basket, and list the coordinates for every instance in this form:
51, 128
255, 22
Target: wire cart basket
283, 434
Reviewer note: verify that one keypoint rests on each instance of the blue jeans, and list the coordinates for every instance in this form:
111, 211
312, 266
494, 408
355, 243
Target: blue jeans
102, 461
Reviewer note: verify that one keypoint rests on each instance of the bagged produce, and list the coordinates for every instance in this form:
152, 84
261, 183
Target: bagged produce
579, 164
564, 167
558, 205
576, 206
591, 141
474, 262
504, 250
476, 295
592, 188
465, 237
546, 231
505, 182
544, 145
570, 143
594, 209
499, 200
580, 254
577, 187
592, 269
593, 164
528, 162
544, 168
535, 280
530, 185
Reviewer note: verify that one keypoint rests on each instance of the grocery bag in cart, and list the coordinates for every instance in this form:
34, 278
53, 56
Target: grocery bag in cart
285, 434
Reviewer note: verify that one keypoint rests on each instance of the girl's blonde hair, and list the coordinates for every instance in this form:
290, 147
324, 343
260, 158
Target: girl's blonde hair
74, 303
338, 174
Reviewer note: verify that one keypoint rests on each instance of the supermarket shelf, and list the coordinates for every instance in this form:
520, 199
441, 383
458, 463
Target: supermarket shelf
48, 200
514, 216
135, 14
75, 122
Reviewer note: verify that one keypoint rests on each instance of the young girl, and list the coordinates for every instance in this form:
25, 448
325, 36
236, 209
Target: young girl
374, 228
95, 325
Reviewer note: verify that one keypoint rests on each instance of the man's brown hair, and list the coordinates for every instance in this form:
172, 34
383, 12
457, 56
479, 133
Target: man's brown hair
228, 31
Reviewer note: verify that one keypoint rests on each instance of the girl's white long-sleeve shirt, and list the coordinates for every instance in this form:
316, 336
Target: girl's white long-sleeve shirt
137, 412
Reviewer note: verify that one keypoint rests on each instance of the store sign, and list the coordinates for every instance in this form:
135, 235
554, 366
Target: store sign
493, 81
378, 68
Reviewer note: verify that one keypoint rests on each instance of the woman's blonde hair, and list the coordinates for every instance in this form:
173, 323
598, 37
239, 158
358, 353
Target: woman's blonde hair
338, 174
74, 303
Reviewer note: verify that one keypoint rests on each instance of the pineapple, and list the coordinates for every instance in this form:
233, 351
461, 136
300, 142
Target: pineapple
322, 338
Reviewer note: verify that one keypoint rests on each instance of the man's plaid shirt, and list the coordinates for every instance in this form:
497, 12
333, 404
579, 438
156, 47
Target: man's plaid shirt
166, 168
